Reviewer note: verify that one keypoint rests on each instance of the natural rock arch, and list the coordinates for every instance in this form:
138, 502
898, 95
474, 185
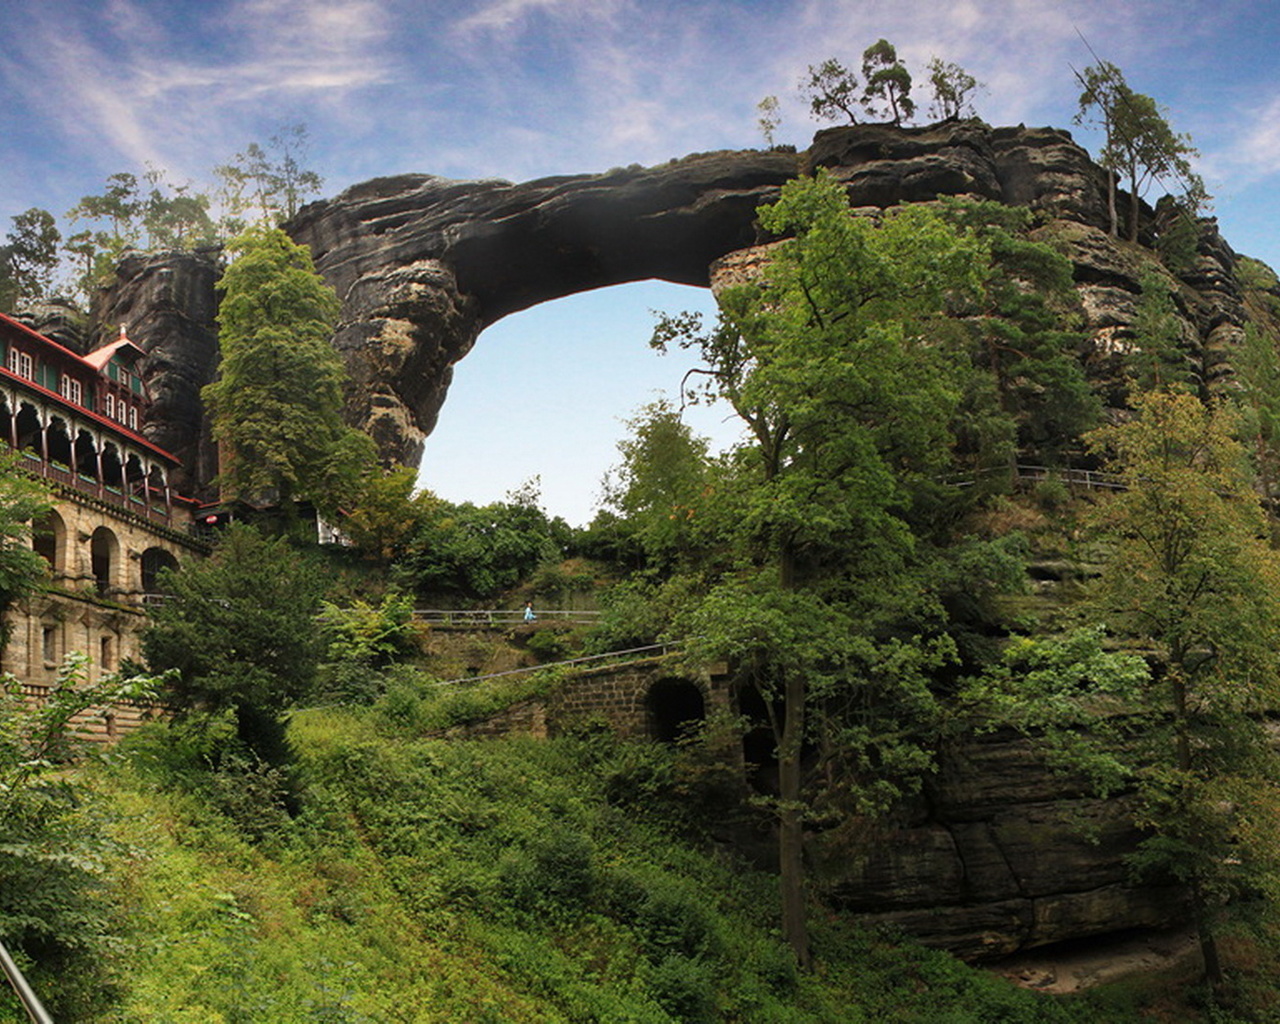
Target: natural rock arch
422, 264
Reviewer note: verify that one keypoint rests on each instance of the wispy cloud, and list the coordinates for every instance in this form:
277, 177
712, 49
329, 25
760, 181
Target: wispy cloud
148, 90
507, 17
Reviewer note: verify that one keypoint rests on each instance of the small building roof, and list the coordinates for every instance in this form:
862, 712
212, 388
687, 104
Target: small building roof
99, 357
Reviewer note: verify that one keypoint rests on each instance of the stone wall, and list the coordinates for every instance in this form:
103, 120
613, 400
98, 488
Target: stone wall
102, 562
621, 695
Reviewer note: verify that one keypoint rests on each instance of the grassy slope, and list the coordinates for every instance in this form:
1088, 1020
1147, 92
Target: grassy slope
511, 880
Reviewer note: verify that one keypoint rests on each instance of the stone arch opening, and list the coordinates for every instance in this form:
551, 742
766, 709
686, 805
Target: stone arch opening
112, 467
135, 477
563, 425
104, 558
49, 540
85, 454
154, 562
672, 707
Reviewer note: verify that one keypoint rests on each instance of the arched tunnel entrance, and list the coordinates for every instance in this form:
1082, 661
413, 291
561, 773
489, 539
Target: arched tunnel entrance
672, 707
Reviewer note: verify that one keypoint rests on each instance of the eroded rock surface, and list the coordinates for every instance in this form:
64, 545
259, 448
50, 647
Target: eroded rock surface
1002, 854
167, 302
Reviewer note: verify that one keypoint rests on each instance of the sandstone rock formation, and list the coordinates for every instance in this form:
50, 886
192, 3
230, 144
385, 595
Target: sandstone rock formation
167, 302
423, 264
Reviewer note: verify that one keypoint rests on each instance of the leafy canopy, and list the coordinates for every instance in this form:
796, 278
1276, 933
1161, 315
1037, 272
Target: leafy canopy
276, 408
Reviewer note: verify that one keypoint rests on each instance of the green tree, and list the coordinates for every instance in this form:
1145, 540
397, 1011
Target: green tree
888, 83
1139, 144
475, 552
836, 363
387, 512
831, 90
769, 118
1158, 358
1257, 366
269, 183
1193, 580
239, 633
276, 407
1022, 345
173, 216
953, 90
31, 252
664, 480
22, 571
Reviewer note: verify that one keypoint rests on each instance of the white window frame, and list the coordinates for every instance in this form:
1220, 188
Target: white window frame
72, 390
133, 418
26, 366
110, 406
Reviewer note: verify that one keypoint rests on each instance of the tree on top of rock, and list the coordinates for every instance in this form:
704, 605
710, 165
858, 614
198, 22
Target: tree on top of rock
953, 89
1140, 146
888, 88
831, 91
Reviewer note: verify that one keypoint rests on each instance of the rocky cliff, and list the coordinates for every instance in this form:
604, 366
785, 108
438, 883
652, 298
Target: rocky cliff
423, 264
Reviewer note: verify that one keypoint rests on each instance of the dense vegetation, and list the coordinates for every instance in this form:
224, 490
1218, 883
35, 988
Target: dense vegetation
434, 880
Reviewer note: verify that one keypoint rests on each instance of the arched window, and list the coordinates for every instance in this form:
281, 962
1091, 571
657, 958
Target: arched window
154, 560
104, 557
49, 540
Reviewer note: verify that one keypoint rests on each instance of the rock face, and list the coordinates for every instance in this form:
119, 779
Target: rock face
1000, 854
166, 300
423, 264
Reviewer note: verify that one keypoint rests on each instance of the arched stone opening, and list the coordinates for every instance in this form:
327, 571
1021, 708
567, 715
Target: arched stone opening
135, 478
549, 424
672, 707
154, 562
104, 559
49, 540
86, 456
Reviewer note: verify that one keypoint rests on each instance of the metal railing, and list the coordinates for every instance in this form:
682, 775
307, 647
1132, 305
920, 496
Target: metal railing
497, 616
26, 994
649, 650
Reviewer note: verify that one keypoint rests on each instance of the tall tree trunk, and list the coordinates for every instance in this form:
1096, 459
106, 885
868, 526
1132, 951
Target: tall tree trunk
791, 822
1133, 207
791, 807
1200, 914
1111, 203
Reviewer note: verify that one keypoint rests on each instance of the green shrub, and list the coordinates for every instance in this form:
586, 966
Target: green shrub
684, 988
672, 920
552, 876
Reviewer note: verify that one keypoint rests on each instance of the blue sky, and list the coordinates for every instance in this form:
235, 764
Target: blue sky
519, 89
